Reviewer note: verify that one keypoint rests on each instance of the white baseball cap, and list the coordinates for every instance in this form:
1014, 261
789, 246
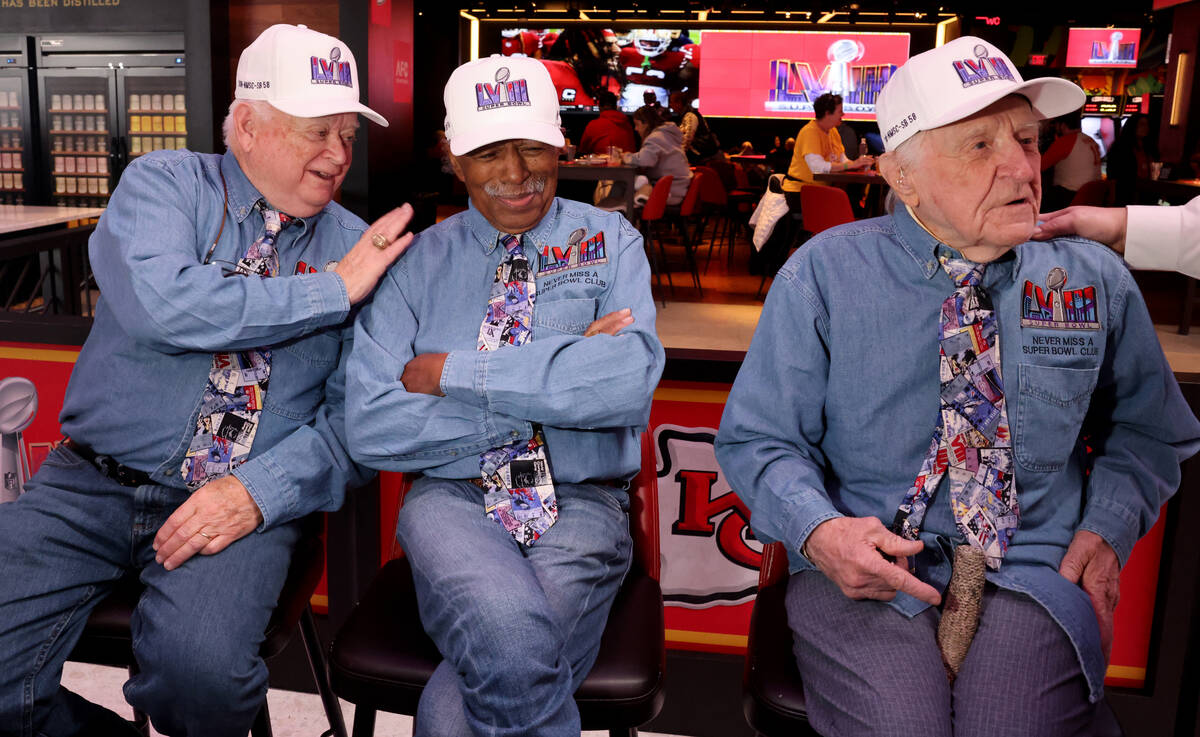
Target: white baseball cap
499, 98
956, 80
301, 72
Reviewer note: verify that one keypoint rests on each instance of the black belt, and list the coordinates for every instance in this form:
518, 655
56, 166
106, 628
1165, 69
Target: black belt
123, 475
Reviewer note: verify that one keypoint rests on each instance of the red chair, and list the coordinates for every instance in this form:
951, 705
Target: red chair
653, 212
716, 204
1098, 193
686, 212
824, 207
821, 208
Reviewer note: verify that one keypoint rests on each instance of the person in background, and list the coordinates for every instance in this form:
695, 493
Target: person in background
610, 128
819, 149
216, 273
661, 154
958, 435
1074, 158
1150, 236
699, 142
778, 158
1130, 156
521, 409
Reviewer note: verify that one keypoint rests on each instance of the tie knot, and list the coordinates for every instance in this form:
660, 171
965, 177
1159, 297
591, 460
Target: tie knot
511, 243
964, 273
274, 220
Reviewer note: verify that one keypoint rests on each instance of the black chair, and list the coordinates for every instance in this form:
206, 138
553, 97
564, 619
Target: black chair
382, 659
106, 637
772, 693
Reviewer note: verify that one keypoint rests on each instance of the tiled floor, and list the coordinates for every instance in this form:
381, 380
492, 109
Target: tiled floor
292, 714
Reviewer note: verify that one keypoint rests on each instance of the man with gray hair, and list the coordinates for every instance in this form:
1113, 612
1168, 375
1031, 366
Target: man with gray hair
484, 363
935, 410
219, 275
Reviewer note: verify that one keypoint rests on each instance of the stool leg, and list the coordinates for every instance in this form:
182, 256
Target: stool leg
262, 722
364, 721
320, 670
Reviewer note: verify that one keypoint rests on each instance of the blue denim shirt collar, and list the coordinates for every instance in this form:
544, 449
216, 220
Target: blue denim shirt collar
243, 195
488, 236
923, 247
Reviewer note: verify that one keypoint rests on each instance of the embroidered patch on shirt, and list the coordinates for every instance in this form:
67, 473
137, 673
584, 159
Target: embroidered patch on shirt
579, 251
1058, 308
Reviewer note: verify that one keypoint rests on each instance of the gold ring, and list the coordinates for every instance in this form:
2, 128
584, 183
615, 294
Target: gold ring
380, 240
204, 535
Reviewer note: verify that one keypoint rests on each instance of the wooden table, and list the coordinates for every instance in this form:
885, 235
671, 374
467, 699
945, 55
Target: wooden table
1174, 191
878, 186
579, 171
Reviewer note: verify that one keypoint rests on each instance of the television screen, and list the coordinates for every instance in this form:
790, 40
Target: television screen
1103, 47
634, 65
778, 74
755, 74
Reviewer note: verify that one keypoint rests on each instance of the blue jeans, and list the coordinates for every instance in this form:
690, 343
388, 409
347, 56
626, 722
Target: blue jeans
196, 630
519, 627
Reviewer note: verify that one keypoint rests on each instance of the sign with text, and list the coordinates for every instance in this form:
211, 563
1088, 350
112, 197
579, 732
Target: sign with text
1103, 47
93, 16
778, 74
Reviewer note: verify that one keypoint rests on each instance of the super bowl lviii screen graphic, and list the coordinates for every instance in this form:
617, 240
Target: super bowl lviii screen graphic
1103, 47
778, 74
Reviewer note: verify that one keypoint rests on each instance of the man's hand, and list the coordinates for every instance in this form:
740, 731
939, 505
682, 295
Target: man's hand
1092, 563
862, 162
423, 374
848, 551
1103, 224
610, 324
365, 263
222, 509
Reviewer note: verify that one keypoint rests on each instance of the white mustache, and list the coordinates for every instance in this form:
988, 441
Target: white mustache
535, 185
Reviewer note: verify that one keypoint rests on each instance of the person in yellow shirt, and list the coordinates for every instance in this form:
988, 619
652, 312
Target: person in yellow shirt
819, 149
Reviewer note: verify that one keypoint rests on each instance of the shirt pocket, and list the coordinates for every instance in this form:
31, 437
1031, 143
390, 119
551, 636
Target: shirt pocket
1050, 410
299, 369
563, 316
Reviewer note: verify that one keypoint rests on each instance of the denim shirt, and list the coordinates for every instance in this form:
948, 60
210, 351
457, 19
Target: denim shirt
591, 395
833, 409
136, 390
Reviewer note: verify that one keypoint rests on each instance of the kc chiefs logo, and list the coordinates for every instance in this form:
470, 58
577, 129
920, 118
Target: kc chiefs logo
710, 554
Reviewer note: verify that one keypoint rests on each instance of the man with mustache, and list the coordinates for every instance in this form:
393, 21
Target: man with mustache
482, 364
204, 416
934, 409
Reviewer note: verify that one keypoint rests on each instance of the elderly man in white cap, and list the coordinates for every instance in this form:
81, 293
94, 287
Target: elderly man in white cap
510, 357
957, 434
218, 275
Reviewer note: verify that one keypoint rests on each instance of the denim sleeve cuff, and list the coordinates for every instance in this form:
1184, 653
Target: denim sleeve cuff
327, 298
807, 516
270, 489
1113, 524
462, 377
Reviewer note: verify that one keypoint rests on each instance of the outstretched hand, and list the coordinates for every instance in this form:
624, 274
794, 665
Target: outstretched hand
364, 264
1103, 224
849, 550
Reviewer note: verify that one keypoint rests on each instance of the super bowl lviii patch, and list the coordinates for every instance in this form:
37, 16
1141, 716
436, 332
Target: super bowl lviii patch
578, 251
1057, 307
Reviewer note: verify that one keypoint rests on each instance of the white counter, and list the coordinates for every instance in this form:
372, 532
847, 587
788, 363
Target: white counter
15, 218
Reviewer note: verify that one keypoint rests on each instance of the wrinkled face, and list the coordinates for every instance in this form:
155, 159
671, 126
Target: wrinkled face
978, 183
511, 182
298, 163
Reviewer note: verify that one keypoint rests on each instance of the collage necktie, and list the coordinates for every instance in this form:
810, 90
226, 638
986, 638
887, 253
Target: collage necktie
519, 491
972, 445
237, 382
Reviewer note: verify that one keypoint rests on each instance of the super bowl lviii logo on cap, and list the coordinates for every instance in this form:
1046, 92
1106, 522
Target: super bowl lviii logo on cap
982, 68
332, 70
504, 93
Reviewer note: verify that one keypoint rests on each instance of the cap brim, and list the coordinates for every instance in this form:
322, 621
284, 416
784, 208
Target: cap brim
534, 131
316, 109
1049, 96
